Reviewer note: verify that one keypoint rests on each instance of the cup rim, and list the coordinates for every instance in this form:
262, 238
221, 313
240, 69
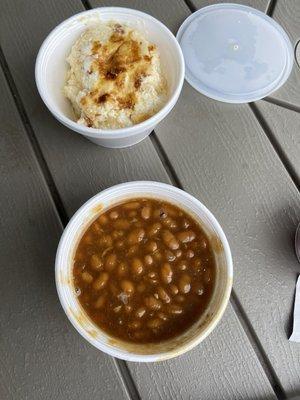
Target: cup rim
113, 350
110, 133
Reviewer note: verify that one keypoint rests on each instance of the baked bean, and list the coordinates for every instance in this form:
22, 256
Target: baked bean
166, 273
169, 210
146, 212
111, 261
117, 234
159, 213
154, 323
120, 244
152, 274
189, 253
97, 228
148, 260
96, 262
105, 241
203, 244
162, 316
134, 205
152, 303
163, 295
140, 312
169, 256
137, 266
151, 246
184, 283
175, 309
134, 325
170, 223
182, 265
157, 255
186, 236
103, 220
174, 289
133, 214
101, 281
185, 224
197, 263
86, 277
178, 253
170, 240
99, 303
136, 236
199, 289
122, 268
117, 309
127, 287
121, 223
154, 229
132, 250
114, 215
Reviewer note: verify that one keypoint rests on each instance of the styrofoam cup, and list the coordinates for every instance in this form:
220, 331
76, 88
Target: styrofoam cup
51, 68
64, 272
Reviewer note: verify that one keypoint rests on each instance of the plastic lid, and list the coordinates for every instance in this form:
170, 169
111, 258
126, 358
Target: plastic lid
235, 53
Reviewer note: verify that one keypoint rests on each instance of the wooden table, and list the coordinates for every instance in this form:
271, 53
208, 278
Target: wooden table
242, 161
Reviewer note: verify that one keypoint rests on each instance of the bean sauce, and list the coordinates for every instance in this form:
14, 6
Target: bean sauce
144, 271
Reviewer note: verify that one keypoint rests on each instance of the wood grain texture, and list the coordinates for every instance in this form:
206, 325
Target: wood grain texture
222, 156
41, 356
261, 5
81, 169
287, 14
285, 126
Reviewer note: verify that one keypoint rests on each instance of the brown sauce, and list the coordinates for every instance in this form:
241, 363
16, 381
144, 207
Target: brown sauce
144, 271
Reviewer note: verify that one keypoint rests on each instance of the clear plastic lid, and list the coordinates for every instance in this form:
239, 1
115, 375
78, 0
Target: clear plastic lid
235, 53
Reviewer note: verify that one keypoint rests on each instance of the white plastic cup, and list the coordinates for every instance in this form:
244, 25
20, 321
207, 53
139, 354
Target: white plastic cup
51, 68
64, 272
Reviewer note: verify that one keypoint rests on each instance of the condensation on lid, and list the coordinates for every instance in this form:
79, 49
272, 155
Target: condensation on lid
235, 53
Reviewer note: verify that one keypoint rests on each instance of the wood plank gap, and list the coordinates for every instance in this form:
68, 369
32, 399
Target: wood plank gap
86, 4
34, 143
281, 103
257, 347
190, 5
276, 145
126, 377
238, 309
165, 160
270, 7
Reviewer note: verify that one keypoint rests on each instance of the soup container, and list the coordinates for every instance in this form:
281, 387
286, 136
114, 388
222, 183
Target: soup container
51, 69
64, 272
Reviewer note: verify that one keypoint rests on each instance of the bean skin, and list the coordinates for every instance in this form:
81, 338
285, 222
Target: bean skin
186, 236
140, 312
86, 277
136, 236
101, 281
166, 273
163, 295
137, 266
184, 283
170, 240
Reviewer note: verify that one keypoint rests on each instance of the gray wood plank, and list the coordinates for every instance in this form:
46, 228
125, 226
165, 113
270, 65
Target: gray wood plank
261, 5
228, 162
41, 357
80, 169
285, 126
287, 14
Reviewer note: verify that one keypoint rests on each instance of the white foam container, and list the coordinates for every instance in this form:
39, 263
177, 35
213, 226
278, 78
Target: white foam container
64, 266
51, 68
